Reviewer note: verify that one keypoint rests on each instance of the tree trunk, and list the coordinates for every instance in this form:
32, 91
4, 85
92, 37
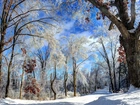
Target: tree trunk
9, 68
96, 74
20, 94
127, 78
42, 77
114, 74
42, 82
34, 74
85, 90
52, 88
132, 50
119, 76
65, 78
65, 86
108, 64
65, 82
1, 54
3, 28
89, 89
52, 82
74, 76
74, 82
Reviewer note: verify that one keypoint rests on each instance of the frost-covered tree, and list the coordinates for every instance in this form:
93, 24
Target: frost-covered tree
77, 53
56, 60
96, 70
42, 57
82, 82
66, 76
66, 52
123, 14
96, 77
21, 19
107, 48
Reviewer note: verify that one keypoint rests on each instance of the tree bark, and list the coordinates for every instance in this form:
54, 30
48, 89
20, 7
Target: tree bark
65, 85
52, 82
21, 85
114, 74
65, 81
9, 68
119, 76
96, 74
3, 32
132, 49
66, 76
1, 49
74, 76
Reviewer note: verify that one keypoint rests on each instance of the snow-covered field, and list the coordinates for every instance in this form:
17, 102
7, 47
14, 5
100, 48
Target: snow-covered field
101, 97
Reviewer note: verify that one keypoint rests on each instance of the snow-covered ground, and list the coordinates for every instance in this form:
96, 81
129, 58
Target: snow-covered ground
101, 97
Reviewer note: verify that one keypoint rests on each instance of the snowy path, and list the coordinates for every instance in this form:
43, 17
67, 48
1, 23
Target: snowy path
101, 97
67, 101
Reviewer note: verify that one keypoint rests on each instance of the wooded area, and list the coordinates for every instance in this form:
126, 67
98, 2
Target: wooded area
55, 49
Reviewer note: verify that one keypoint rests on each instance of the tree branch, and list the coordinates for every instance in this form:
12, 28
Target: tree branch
113, 18
17, 21
14, 8
32, 35
8, 47
34, 21
82, 61
26, 13
133, 14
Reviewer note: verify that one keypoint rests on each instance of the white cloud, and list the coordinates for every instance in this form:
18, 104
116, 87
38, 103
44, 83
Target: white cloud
64, 27
68, 25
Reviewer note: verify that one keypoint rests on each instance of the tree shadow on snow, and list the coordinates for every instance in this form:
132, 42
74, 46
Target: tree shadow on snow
104, 101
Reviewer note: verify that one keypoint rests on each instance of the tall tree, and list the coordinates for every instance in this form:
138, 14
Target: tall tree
66, 76
9, 67
57, 60
105, 56
130, 32
43, 56
77, 51
123, 72
107, 48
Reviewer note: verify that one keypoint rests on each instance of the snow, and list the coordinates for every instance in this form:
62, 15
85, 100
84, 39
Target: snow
100, 97
132, 30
